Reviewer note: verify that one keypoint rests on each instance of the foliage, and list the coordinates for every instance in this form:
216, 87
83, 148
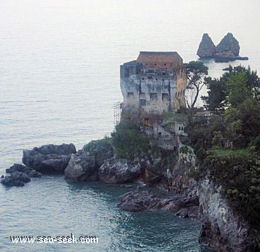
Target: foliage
238, 172
195, 72
228, 145
96, 146
129, 141
232, 87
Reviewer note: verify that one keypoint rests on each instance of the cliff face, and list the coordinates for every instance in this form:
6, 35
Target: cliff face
222, 228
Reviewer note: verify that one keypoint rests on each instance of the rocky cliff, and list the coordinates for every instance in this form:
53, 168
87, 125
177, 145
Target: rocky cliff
222, 227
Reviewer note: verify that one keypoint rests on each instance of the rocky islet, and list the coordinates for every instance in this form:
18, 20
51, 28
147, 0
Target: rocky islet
227, 49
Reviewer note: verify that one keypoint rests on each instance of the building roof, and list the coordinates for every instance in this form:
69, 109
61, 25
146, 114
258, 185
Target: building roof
133, 62
159, 57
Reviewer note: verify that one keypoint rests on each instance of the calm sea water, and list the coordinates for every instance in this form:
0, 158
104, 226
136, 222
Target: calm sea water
59, 81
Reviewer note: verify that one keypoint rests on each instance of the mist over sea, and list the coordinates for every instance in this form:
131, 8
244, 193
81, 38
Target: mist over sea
59, 82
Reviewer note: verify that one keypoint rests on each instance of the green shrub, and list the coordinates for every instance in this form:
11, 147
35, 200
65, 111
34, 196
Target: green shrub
129, 141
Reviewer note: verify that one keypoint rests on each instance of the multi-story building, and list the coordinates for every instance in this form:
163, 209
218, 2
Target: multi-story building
153, 84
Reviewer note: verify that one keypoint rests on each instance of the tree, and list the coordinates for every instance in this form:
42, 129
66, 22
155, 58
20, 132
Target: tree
228, 148
215, 101
232, 88
237, 88
196, 72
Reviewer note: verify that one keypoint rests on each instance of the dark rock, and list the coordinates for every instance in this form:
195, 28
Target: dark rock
143, 200
207, 48
16, 179
100, 149
227, 50
17, 167
228, 47
189, 212
118, 171
19, 175
34, 174
85, 163
136, 201
227, 58
49, 158
63, 149
81, 167
22, 168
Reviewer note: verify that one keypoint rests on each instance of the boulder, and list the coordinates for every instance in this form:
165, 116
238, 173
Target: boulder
84, 165
228, 47
19, 175
49, 158
118, 171
24, 169
207, 48
81, 167
100, 149
135, 201
15, 179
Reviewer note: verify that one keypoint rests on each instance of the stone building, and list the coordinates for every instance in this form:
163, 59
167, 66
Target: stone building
152, 84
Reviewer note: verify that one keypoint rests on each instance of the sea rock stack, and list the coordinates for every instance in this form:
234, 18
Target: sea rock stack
207, 49
226, 50
228, 47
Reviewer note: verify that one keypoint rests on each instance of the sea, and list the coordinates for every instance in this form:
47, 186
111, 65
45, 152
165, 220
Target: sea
60, 83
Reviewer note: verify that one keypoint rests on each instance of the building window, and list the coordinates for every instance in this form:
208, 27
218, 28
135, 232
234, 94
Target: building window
142, 102
165, 97
147, 122
130, 95
153, 97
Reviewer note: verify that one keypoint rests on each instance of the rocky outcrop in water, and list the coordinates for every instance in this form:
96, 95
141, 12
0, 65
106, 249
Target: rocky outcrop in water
49, 158
19, 175
226, 50
100, 149
84, 165
207, 49
81, 167
118, 171
222, 227
135, 201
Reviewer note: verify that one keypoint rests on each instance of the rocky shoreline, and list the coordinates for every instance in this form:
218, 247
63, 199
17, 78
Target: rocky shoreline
221, 228
96, 162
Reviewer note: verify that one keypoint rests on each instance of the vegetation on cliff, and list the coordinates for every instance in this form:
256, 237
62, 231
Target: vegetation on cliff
227, 143
129, 141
